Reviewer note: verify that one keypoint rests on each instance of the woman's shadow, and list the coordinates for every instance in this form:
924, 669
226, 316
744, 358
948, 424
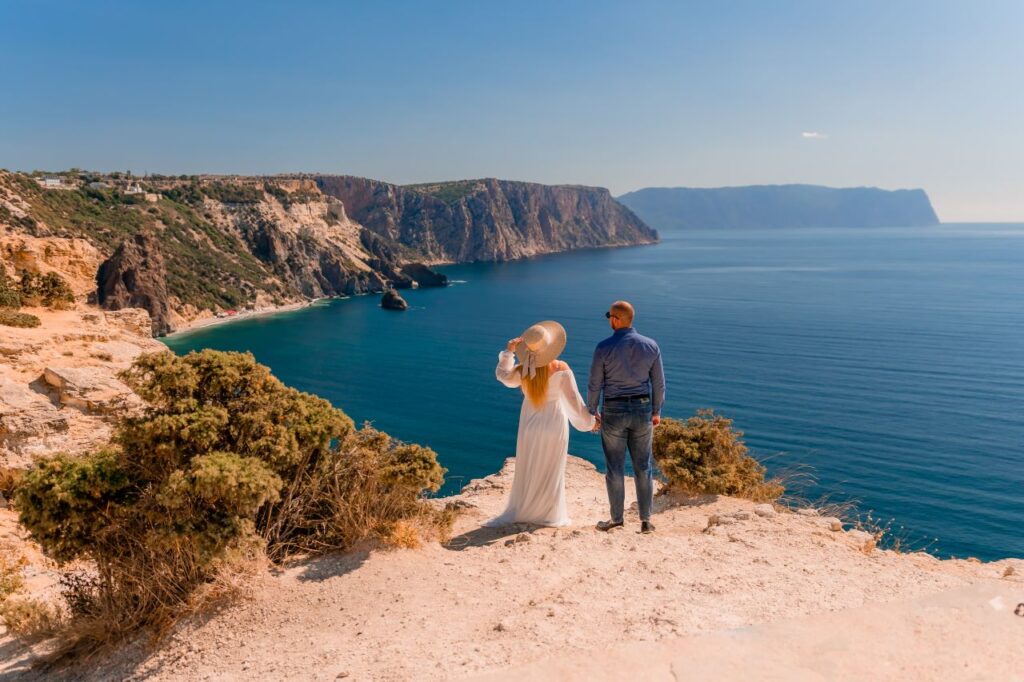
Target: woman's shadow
483, 536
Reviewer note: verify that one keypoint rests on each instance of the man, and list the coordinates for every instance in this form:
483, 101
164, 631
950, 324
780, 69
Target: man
627, 370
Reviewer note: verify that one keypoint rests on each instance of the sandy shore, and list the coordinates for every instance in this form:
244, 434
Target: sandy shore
788, 595
204, 322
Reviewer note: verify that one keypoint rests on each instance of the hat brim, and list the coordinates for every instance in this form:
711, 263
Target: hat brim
553, 350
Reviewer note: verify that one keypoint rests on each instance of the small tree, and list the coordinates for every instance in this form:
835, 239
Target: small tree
705, 455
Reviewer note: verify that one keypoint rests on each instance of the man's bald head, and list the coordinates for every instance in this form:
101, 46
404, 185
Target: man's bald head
623, 312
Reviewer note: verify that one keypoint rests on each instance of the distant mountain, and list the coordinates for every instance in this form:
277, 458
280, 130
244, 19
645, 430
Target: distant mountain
775, 206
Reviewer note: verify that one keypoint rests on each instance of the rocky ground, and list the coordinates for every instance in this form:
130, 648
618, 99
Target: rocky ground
725, 589
58, 381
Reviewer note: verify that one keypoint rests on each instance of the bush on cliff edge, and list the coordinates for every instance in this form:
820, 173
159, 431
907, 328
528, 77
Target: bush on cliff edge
225, 464
705, 456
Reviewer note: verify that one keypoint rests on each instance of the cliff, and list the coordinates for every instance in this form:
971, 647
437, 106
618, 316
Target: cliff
724, 586
779, 206
185, 248
488, 220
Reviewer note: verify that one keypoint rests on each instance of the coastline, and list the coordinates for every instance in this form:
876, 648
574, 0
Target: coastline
206, 322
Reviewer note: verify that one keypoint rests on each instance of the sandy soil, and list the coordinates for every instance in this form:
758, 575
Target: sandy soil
211, 321
781, 590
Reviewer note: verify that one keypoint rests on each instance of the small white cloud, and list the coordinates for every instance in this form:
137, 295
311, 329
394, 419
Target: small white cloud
810, 135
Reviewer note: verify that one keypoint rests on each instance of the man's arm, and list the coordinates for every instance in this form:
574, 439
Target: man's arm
657, 385
596, 381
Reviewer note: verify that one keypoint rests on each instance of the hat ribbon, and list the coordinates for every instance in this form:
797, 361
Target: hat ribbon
530, 365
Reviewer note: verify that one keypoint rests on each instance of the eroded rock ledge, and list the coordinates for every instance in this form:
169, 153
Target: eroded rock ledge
58, 382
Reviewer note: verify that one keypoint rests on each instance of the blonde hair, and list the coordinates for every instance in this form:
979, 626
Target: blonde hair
535, 388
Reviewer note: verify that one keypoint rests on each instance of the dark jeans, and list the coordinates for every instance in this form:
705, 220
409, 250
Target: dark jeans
628, 424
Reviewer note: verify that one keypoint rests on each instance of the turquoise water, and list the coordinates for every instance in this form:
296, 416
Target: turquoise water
889, 361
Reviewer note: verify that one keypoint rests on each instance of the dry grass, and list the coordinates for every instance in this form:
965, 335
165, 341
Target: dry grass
9, 479
30, 620
12, 561
403, 535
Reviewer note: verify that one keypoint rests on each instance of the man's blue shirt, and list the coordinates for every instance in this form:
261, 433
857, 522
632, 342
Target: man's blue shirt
626, 363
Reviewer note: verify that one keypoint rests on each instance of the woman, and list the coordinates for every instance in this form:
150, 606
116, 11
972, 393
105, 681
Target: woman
550, 401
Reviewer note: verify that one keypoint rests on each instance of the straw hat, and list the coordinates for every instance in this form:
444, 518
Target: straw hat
542, 343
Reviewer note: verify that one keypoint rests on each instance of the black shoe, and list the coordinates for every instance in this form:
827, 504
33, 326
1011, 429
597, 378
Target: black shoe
608, 525
646, 527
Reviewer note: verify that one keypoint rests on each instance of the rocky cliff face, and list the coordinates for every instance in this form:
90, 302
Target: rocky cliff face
135, 277
187, 248
488, 220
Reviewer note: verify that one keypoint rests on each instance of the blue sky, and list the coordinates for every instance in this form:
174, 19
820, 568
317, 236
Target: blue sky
617, 94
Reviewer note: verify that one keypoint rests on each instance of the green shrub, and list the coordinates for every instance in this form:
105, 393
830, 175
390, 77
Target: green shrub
10, 318
10, 299
705, 455
225, 462
49, 290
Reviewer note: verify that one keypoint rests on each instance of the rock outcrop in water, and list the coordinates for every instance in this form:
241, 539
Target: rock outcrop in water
392, 300
779, 206
424, 276
488, 220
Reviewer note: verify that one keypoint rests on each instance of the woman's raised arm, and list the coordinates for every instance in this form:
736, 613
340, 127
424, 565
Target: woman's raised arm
506, 371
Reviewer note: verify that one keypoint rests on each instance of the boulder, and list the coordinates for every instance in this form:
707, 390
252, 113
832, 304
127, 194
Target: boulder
424, 276
90, 389
391, 300
764, 510
133, 320
29, 424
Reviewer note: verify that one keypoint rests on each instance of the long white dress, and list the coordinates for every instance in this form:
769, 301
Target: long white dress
538, 489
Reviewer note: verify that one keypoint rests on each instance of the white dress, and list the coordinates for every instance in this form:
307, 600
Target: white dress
538, 489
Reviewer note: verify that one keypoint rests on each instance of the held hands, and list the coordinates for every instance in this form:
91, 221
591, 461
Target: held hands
597, 424
512, 343
655, 420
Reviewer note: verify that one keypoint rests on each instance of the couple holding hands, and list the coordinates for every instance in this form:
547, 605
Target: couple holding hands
625, 393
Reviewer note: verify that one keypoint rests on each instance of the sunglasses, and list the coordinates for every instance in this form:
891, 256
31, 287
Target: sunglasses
609, 316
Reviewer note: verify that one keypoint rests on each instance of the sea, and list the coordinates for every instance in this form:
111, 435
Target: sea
878, 368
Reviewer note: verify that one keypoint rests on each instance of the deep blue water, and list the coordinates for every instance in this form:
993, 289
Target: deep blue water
889, 361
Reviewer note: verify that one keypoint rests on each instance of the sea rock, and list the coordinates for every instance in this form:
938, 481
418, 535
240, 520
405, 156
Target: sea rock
764, 510
807, 511
391, 300
833, 523
91, 389
424, 276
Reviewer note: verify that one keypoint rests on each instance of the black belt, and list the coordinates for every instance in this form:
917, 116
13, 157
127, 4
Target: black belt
623, 398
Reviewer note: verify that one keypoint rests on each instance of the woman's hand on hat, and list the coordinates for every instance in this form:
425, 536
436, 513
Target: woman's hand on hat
512, 343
